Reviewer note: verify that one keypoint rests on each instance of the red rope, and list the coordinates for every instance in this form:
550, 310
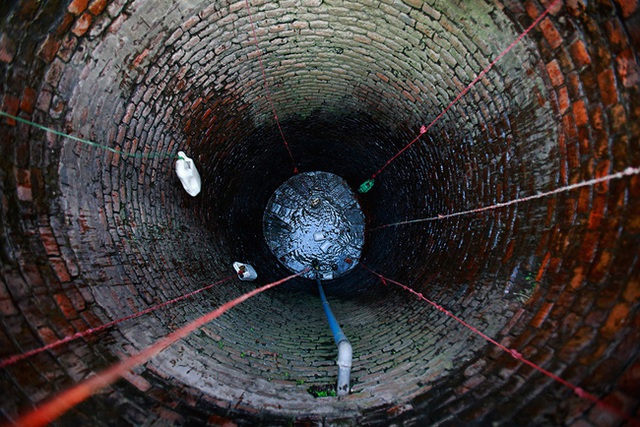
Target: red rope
18, 357
66, 400
424, 129
266, 87
512, 352
627, 172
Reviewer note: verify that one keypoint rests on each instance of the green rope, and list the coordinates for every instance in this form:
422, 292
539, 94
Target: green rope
91, 143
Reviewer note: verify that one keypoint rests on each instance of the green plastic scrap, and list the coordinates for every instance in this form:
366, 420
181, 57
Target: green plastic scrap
366, 186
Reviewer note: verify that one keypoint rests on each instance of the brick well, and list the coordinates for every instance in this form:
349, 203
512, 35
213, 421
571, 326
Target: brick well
88, 236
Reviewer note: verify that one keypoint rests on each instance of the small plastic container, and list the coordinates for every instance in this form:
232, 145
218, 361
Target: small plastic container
188, 174
246, 272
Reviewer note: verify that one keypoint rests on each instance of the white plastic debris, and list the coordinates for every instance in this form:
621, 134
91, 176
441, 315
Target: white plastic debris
188, 174
318, 236
245, 272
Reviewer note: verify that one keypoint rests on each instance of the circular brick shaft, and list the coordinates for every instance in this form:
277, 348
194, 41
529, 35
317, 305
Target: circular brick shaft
88, 235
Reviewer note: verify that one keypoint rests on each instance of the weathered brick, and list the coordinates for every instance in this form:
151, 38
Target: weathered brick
77, 6
580, 114
550, 33
628, 7
627, 69
60, 269
66, 306
579, 53
7, 48
608, 88
617, 319
555, 73
82, 24
10, 104
542, 314
28, 101
97, 6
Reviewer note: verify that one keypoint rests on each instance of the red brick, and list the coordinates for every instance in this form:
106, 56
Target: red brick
597, 118
92, 320
383, 77
627, 68
632, 291
584, 143
603, 168
618, 116
60, 269
563, 100
408, 96
7, 48
630, 380
543, 266
65, 25
49, 241
597, 211
97, 6
607, 84
11, 105
634, 186
617, 319
217, 420
168, 417
542, 314
532, 9
616, 35
550, 33
555, 73
82, 24
600, 266
594, 355
508, 253
76, 299
580, 113
47, 335
579, 54
628, 7
49, 48
66, 306
77, 6
574, 85
589, 246
579, 340
584, 199
7, 308
28, 102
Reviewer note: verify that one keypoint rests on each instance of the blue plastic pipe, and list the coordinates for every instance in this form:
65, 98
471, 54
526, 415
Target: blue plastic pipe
345, 352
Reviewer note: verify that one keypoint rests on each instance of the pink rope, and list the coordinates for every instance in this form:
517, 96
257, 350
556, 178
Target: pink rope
424, 129
512, 352
266, 87
627, 172
66, 400
18, 357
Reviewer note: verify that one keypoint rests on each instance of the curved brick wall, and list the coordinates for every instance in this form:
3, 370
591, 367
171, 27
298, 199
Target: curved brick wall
88, 236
